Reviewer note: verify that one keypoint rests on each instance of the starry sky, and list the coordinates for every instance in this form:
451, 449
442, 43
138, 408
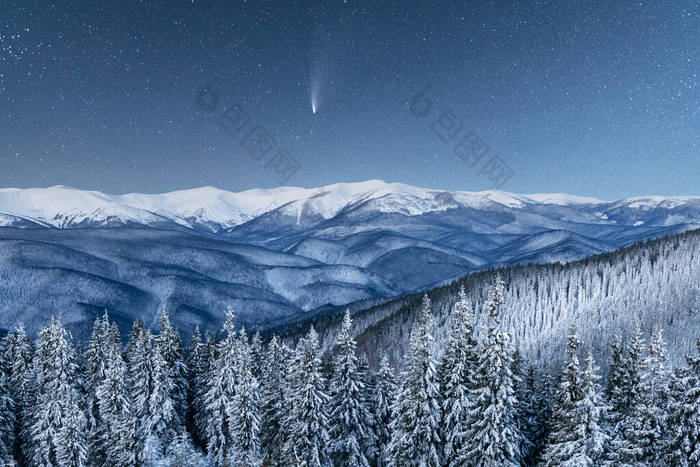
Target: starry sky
594, 98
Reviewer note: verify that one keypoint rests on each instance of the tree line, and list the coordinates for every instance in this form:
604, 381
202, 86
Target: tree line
230, 400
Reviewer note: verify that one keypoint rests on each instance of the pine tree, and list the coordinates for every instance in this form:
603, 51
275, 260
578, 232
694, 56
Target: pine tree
244, 411
683, 425
256, 354
529, 418
492, 437
173, 354
456, 370
649, 414
416, 412
543, 409
95, 364
197, 366
115, 413
624, 398
7, 421
350, 421
308, 420
162, 422
385, 391
22, 383
273, 387
57, 422
220, 392
576, 437
71, 443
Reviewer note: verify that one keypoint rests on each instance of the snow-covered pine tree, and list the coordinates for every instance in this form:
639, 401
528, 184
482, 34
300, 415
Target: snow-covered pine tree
491, 436
197, 366
201, 383
576, 438
118, 440
173, 353
308, 440
415, 422
592, 411
57, 423
350, 426
624, 397
244, 410
384, 393
71, 444
150, 384
683, 425
256, 354
7, 353
220, 392
140, 377
529, 417
367, 397
23, 385
649, 414
163, 421
95, 363
455, 373
543, 408
7, 421
273, 383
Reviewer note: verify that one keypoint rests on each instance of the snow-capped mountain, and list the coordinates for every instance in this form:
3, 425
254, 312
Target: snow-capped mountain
286, 251
215, 209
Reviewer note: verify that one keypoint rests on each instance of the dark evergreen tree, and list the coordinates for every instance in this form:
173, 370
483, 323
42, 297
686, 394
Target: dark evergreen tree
384, 394
57, 430
576, 438
220, 392
350, 421
173, 354
456, 374
274, 408
308, 418
416, 412
491, 436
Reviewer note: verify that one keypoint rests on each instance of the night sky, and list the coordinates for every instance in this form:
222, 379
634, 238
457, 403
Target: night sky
594, 98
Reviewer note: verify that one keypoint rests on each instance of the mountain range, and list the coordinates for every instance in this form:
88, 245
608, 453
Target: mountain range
278, 254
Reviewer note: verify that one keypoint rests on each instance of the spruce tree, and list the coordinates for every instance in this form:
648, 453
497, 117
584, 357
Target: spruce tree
683, 425
173, 354
491, 436
649, 414
529, 418
308, 419
384, 394
350, 420
273, 386
57, 427
576, 437
456, 371
113, 398
624, 397
244, 411
7, 421
23, 386
416, 412
220, 392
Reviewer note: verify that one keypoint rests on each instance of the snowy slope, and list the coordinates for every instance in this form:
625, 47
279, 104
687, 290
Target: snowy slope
281, 252
216, 209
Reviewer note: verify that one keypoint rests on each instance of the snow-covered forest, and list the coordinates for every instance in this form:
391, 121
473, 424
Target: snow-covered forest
232, 399
649, 284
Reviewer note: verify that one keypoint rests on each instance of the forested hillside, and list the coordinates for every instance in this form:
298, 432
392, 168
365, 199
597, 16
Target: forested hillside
655, 283
473, 400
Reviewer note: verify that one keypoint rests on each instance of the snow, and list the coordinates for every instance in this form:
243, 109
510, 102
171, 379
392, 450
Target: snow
63, 207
